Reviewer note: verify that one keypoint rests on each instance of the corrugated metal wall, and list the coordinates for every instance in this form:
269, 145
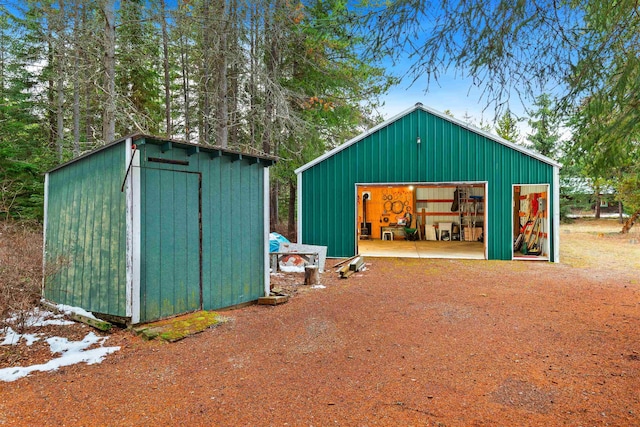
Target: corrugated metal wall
85, 241
447, 153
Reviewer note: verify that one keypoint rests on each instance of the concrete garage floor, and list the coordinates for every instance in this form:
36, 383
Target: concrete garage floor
421, 249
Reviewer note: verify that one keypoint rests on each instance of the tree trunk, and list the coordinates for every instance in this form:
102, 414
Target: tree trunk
88, 88
51, 99
205, 87
311, 275
184, 67
272, 60
234, 72
76, 79
165, 65
253, 72
598, 198
60, 73
222, 106
109, 115
620, 212
630, 222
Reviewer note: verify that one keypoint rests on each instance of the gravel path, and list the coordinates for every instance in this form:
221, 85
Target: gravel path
406, 342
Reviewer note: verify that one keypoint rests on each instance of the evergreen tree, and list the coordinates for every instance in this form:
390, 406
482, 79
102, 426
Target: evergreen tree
23, 142
588, 51
507, 127
138, 75
545, 124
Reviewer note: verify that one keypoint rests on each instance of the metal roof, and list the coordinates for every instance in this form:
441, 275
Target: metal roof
420, 106
267, 160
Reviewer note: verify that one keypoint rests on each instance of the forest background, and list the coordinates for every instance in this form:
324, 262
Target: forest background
296, 78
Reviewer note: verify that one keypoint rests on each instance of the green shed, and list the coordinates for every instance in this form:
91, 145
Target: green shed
146, 228
468, 193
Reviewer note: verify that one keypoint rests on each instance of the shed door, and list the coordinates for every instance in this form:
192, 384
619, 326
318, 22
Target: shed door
170, 252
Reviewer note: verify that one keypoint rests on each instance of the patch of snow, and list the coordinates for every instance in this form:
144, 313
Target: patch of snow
292, 268
11, 337
38, 317
72, 352
318, 287
54, 322
67, 309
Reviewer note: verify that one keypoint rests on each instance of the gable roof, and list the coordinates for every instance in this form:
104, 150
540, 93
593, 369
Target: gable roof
419, 106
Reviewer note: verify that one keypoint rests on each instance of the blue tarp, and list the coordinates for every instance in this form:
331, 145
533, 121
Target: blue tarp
274, 241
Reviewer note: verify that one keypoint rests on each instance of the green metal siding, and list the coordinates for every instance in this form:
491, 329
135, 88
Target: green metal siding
85, 242
448, 152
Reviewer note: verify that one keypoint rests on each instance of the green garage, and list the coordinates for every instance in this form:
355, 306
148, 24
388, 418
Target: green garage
147, 228
466, 193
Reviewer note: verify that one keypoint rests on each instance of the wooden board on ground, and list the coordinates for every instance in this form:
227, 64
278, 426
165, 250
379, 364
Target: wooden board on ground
273, 300
338, 264
96, 323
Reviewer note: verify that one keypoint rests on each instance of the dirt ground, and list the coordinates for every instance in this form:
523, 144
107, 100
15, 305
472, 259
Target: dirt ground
407, 342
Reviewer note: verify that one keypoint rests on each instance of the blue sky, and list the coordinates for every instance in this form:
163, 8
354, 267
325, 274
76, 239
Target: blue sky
451, 92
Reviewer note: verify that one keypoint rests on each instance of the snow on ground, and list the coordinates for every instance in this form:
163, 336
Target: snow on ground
67, 309
38, 317
71, 352
292, 268
11, 337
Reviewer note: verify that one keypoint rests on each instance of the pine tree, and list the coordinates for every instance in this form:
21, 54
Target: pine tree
507, 127
138, 82
24, 154
545, 124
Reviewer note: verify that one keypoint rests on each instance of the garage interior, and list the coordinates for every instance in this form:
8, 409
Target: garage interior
531, 222
446, 220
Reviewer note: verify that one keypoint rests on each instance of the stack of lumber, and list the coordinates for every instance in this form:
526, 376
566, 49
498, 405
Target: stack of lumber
350, 266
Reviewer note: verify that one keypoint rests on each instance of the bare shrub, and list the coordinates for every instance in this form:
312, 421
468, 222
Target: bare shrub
20, 271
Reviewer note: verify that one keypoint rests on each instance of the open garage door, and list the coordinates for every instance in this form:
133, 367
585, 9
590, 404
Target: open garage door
422, 220
531, 222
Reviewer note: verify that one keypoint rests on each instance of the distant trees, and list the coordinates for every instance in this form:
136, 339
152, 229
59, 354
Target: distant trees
272, 76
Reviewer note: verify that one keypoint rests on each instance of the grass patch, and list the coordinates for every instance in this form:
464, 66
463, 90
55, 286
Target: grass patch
178, 328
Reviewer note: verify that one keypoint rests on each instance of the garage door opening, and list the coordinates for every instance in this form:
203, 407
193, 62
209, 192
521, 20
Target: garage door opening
422, 220
531, 222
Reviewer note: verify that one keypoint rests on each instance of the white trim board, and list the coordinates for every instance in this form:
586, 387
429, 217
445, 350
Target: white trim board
44, 230
266, 214
137, 236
